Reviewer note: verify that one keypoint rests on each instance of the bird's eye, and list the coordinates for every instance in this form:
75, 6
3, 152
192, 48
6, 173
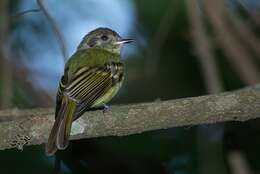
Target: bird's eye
104, 37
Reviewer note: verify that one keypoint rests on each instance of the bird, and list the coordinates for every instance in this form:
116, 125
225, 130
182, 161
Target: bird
92, 76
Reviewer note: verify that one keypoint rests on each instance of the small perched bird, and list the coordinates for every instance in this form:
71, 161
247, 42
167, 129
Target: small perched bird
92, 77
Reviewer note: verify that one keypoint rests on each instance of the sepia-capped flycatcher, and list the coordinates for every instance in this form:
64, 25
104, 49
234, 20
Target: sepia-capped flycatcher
92, 77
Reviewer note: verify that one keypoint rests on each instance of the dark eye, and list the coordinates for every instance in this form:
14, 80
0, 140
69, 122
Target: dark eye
104, 37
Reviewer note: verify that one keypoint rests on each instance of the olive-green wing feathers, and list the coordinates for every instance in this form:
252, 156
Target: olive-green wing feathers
76, 95
89, 84
51, 147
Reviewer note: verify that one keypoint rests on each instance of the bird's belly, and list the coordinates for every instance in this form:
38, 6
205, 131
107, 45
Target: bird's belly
107, 96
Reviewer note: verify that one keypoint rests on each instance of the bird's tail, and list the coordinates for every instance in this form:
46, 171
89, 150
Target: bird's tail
60, 133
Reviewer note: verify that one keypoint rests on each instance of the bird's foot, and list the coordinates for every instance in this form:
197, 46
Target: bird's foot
105, 108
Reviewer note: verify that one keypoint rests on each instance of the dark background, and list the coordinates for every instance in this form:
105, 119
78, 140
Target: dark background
182, 49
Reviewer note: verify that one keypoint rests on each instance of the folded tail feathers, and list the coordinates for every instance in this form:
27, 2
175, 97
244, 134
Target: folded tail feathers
51, 147
60, 133
65, 126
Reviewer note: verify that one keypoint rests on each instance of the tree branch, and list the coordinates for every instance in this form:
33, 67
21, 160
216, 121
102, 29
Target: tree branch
31, 127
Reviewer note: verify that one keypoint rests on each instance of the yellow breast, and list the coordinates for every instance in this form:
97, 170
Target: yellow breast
108, 95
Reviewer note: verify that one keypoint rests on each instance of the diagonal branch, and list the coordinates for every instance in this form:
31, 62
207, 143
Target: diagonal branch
31, 127
19, 14
55, 29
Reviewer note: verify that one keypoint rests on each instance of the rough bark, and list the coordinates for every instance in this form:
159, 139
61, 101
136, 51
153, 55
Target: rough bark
29, 127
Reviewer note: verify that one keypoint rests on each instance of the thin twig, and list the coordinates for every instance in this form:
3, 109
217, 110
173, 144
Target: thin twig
34, 126
12, 73
19, 14
56, 30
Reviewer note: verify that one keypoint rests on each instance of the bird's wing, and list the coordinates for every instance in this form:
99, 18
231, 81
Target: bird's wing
85, 86
59, 95
51, 146
90, 83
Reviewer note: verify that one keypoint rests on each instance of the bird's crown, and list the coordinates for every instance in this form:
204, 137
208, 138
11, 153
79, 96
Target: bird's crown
104, 38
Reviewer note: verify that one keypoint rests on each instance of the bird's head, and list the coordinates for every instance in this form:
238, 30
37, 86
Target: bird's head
104, 38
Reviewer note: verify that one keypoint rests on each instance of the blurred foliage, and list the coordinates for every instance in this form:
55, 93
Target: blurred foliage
176, 58
178, 75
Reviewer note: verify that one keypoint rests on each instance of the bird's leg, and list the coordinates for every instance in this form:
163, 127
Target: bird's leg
103, 107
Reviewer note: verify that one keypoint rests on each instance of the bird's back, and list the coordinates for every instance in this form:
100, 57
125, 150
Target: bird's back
91, 57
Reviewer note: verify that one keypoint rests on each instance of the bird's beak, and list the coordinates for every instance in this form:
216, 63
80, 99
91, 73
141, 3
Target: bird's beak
124, 41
